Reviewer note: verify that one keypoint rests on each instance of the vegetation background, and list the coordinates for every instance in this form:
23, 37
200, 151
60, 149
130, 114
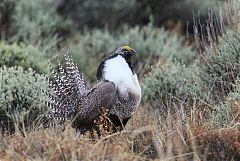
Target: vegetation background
188, 63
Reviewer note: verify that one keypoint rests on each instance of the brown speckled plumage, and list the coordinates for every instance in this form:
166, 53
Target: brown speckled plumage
72, 99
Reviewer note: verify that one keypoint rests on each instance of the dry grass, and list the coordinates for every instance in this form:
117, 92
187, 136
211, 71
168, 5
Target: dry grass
148, 136
53, 144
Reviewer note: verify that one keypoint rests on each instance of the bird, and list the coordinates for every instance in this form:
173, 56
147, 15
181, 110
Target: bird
117, 90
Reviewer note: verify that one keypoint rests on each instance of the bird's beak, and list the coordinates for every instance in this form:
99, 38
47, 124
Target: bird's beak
133, 52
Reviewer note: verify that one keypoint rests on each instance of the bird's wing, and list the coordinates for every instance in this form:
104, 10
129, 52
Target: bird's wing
103, 94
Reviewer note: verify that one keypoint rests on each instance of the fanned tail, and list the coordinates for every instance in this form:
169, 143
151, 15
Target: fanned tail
67, 86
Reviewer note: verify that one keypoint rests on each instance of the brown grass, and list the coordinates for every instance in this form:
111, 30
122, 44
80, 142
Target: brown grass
147, 136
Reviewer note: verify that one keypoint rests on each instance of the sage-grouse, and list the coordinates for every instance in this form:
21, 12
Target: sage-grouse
117, 90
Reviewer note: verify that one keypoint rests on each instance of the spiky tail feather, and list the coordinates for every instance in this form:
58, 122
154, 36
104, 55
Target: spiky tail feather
67, 86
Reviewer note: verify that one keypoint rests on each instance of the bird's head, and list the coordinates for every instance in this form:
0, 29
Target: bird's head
125, 52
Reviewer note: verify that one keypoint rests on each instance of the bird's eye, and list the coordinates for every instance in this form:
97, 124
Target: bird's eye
126, 51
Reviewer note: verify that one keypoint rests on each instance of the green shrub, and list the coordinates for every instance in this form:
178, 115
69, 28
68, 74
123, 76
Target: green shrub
219, 67
22, 55
6, 10
225, 115
133, 12
36, 20
93, 13
172, 86
32, 21
22, 99
151, 44
236, 93
227, 112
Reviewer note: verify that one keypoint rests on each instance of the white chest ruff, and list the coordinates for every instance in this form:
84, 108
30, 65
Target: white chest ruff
118, 71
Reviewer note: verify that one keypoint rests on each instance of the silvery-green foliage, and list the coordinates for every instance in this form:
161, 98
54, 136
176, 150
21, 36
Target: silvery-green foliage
220, 66
226, 113
22, 97
150, 43
171, 86
22, 55
31, 21
35, 20
147, 40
